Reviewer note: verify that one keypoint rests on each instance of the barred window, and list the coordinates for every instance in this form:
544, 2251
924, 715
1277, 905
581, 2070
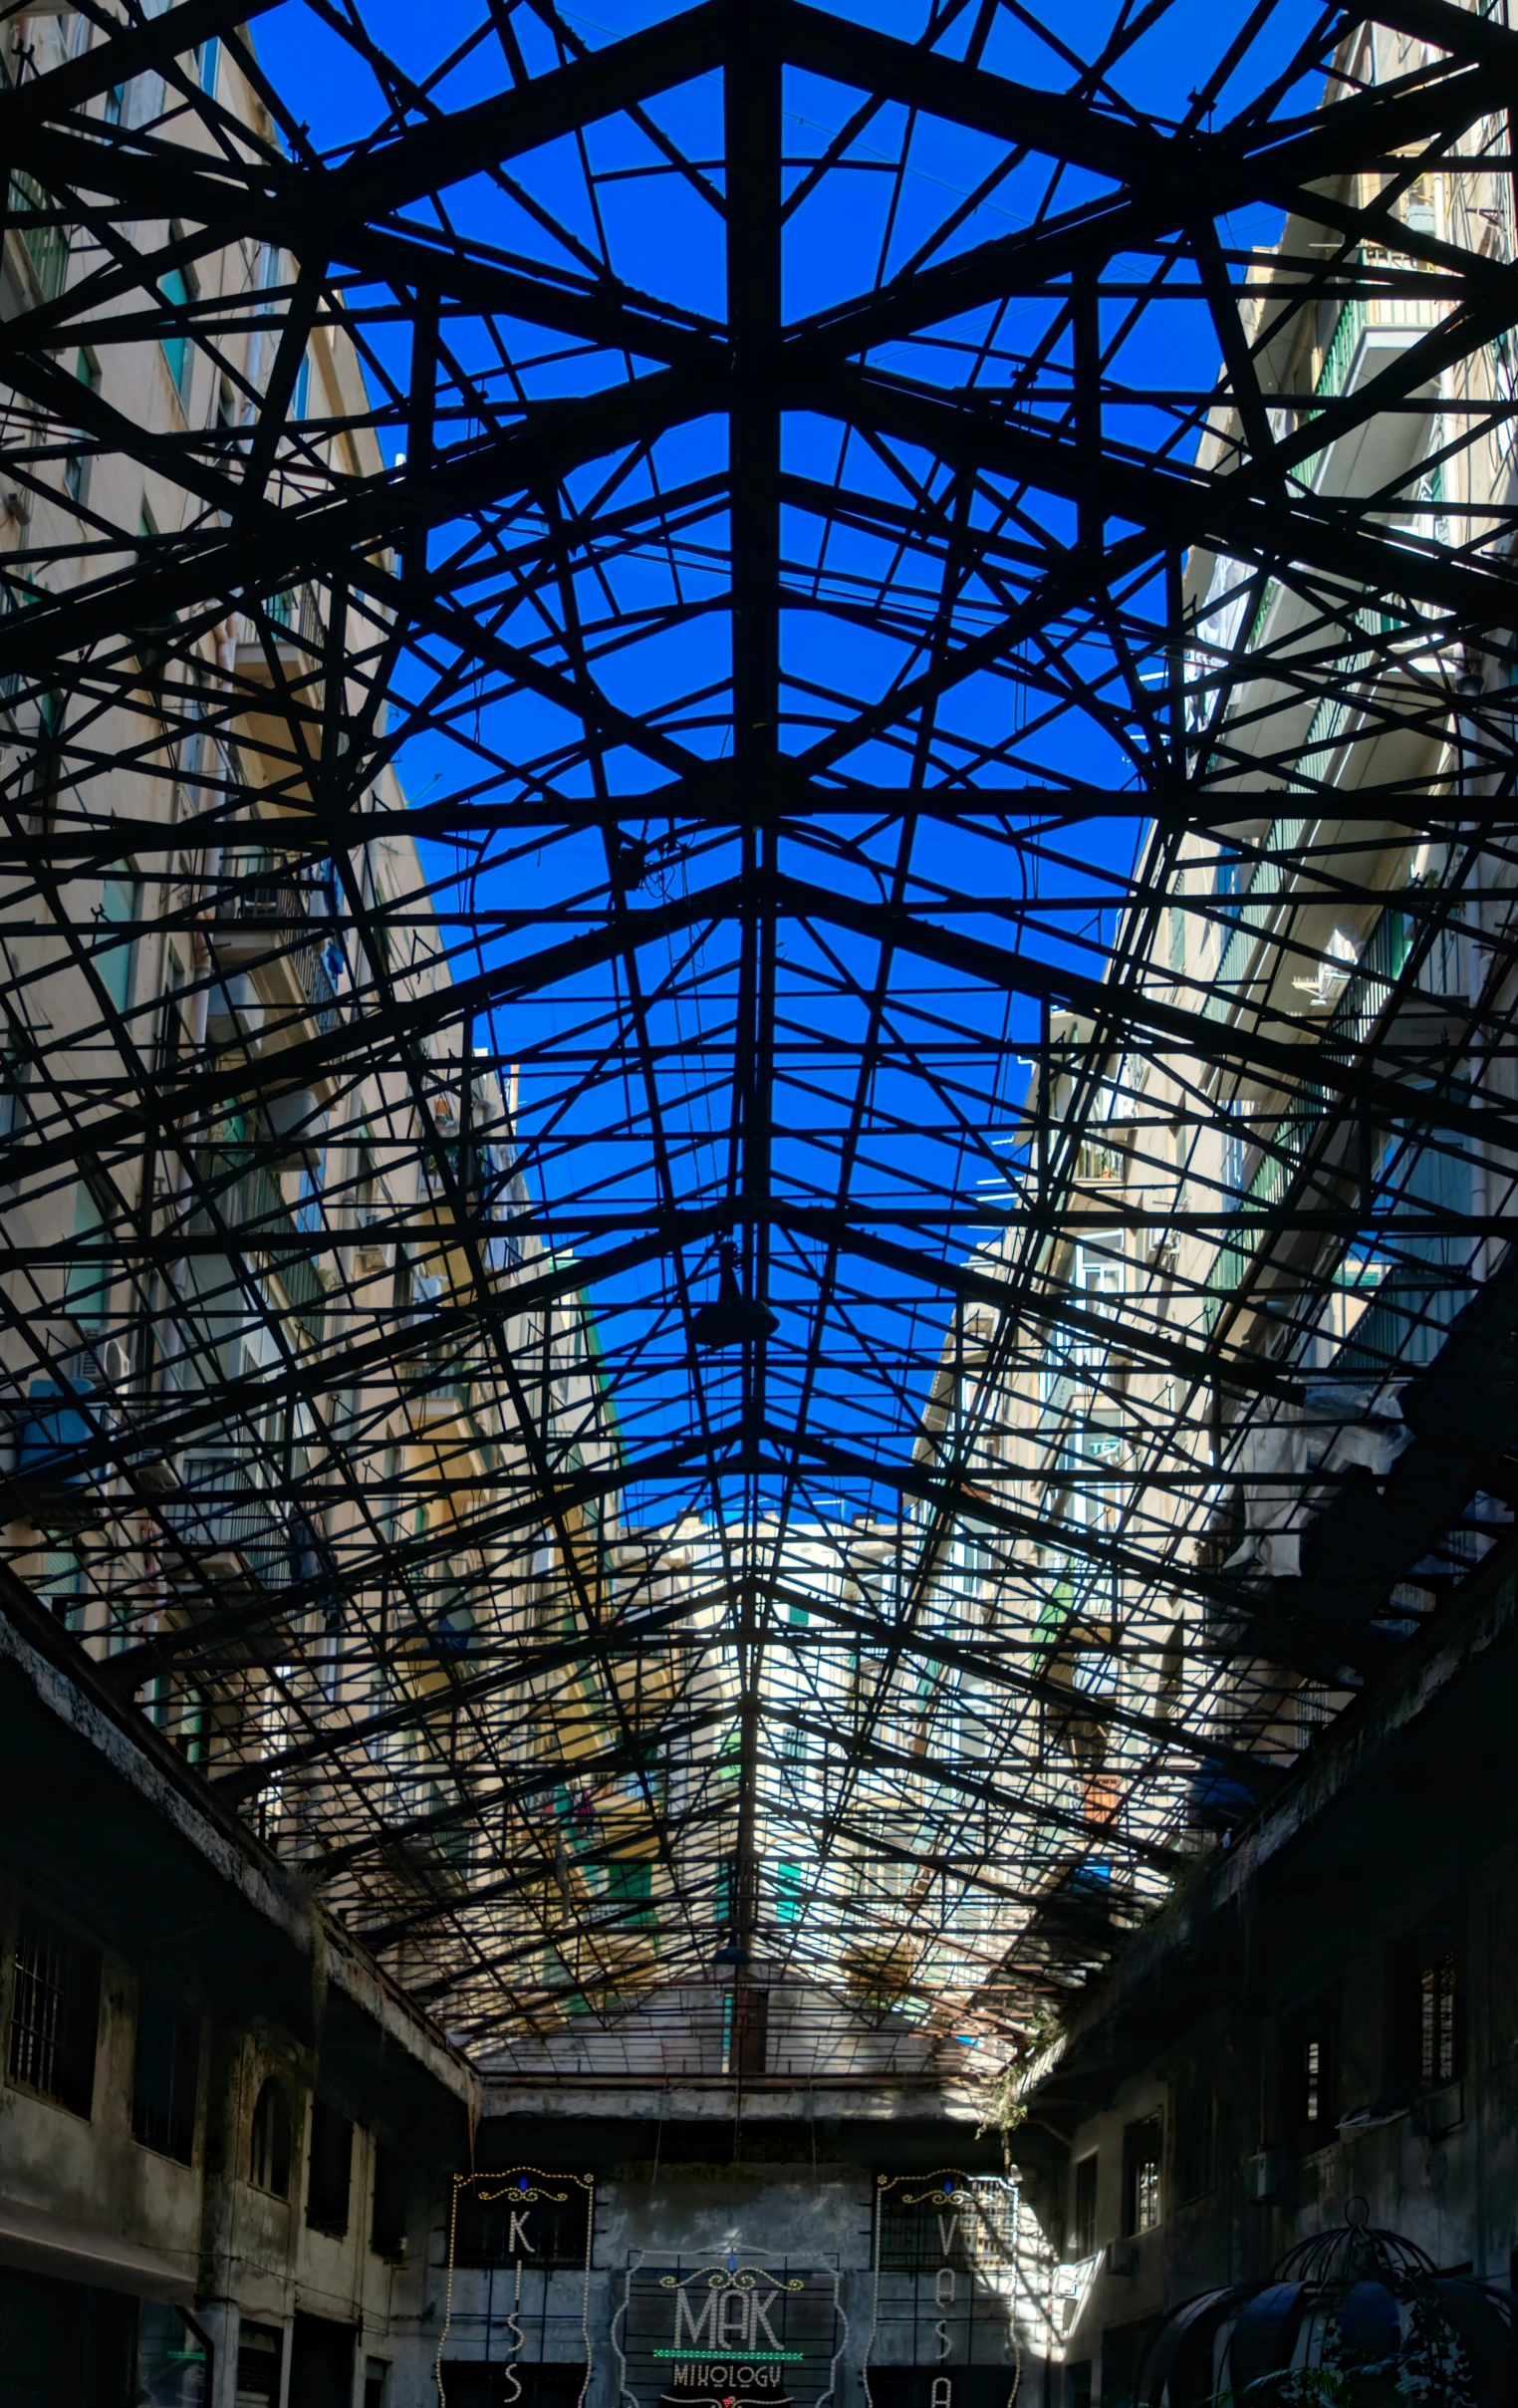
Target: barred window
260, 2351
1142, 2157
1425, 2008
1437, 1994
55, 2013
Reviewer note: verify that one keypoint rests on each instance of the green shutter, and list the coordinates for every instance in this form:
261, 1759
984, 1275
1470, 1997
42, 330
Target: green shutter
113, 954
176, 291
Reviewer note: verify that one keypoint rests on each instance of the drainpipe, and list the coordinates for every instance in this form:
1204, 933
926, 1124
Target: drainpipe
1467, 690
201, 966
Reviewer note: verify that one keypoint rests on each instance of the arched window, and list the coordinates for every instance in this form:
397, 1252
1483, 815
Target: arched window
269, 2140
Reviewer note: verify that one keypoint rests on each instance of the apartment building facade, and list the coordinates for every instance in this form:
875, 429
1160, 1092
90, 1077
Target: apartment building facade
347, 1400
1258, 1401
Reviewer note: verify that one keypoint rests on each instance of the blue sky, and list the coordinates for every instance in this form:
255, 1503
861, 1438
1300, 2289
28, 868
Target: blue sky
889, 207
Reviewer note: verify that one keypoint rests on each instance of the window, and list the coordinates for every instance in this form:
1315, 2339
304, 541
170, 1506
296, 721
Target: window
1177, 924
329, 2169
260, 2361
308, 1199
76, 468
788, 1893
386, 2229
1424, 2035
631, 1880
173, 2360
86, 1291
726, 1886
167, 2077
1309, 2083
269, 2140
55, 2013
491, 2228
1438, 2003
1238, 1137
47, 246
189, 1730
173, 1031
1312, 1713
1234, 875
207, 61
176, 286
60, 1586
192, 747
120, 908
1099, 1264
1142, 2155
1082, 2230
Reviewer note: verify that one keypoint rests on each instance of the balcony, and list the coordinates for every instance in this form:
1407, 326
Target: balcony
1372, 331
1363, 1012
373, 1253
439, 1386
46, 247
265, 918
251, 1204
298, 632
227, 1531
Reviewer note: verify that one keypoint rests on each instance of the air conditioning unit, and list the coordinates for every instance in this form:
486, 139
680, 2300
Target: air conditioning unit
372, 1254
1265, 2177
108, 1364
297, 1122
234, 1008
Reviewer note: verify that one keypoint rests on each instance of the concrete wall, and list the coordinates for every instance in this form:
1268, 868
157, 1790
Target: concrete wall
659, 2199
247, 2253
1435, 2159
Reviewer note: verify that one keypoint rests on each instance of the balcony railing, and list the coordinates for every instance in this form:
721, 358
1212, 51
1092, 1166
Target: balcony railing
260, 901
16, 594
47, 247
1346, 1033
254, 1209
443, 1383
298, 613
221, 1520
1408, 314
257, 888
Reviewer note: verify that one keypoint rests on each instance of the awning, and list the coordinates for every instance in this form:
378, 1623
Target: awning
82, 2252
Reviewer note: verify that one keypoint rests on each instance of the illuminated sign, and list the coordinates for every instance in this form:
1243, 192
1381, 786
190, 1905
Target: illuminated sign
516, 2320
941, 2333
726, 2330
